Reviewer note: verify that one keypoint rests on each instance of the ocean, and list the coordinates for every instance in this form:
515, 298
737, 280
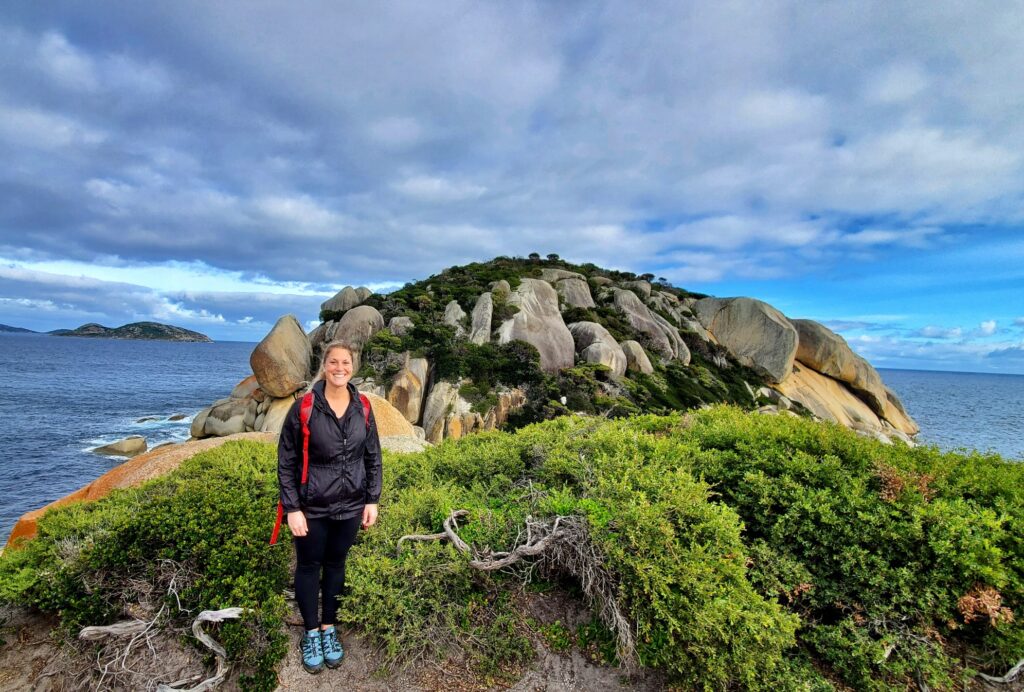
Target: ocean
62, 396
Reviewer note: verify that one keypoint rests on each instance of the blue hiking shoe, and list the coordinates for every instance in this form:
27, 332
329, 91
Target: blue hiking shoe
312, 652
333, 652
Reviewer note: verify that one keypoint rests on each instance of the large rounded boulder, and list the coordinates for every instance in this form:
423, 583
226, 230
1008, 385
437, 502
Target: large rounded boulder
356, 327
636, 357
539, 323
575, 293
281, 361
825, 351
345, 299
755, 333
596, 345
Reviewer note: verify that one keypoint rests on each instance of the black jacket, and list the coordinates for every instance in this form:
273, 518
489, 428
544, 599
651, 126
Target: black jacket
344, 460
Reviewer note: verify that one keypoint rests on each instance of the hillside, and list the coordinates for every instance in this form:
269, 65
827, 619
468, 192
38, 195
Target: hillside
504, 343
148, 331
16, 330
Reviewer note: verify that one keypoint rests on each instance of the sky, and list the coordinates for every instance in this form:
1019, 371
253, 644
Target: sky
216, 165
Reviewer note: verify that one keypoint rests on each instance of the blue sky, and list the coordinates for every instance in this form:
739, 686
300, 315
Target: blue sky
217, 165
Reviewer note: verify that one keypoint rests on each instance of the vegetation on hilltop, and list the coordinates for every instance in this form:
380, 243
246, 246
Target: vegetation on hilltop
744, 552
713, 375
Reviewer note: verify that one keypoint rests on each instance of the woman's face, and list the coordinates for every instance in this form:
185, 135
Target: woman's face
338, 367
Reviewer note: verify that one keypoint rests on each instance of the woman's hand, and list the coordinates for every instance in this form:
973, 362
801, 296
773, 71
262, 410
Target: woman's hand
369, 516
297, 524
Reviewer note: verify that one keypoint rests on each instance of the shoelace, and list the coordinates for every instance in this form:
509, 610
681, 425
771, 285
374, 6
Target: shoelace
311, 647
330, 642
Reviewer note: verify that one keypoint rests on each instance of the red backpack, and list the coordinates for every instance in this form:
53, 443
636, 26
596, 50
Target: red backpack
304, 410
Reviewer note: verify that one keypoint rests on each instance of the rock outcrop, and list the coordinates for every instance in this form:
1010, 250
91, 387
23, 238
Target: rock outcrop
281, 361
664, 337
636, 357
552, 275
641, 287
345, 299
825, 351
575, 293
832, 377
442, 403
828, 399
480, 322
540, 324
455, 316
755, 333
409, 388
400, 326
128, 447
356, 327
596, 345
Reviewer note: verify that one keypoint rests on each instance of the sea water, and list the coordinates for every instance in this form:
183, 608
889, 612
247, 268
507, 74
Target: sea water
60, 397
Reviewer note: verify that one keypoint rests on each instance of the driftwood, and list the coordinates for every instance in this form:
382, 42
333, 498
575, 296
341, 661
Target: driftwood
564, 546
118, 629
222, 664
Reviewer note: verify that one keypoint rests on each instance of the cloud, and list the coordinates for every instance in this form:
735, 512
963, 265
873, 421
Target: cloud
1011, 355
434, 189
1019, 322
897, 83
343, 147
75, 300
987, 328
933, 332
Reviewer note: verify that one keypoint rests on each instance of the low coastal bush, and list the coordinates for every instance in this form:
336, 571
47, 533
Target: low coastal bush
742, 551
192, 540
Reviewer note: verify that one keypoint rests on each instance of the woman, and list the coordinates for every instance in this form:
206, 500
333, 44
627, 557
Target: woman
341, 494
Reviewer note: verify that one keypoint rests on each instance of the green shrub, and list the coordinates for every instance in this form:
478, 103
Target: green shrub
208, 522
745, 552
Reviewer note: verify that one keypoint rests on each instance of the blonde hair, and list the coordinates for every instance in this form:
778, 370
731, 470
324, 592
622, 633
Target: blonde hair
326, 351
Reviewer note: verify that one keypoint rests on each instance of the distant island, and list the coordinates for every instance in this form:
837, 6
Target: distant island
151, 331
16, 330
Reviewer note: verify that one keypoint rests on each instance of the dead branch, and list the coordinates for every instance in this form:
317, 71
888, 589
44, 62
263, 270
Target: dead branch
118, 629
1010, 676
564, 546
222, 665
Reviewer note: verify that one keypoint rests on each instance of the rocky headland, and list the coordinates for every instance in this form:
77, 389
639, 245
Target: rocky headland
589, 340
148, 331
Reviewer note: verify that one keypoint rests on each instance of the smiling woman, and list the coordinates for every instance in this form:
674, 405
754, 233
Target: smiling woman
329, 471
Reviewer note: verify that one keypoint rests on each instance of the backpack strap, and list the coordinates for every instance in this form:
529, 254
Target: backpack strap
304, 411
305, 408
366, 409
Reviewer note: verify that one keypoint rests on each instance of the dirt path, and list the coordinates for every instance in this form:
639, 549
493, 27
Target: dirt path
549, 671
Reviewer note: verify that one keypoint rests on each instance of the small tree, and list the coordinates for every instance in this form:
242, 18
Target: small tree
534, 256
553, 257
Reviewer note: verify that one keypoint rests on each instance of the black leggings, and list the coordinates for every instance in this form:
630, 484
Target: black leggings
325, 545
